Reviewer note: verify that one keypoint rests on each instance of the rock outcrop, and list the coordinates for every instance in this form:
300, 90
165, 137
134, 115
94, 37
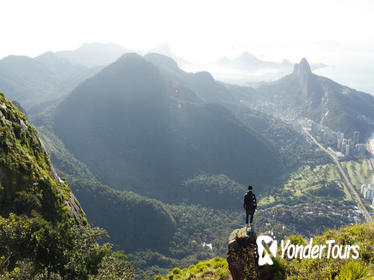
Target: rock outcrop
29, 184
242, 255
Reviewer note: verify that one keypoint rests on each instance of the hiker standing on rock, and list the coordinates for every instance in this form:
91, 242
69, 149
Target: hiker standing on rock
249, 205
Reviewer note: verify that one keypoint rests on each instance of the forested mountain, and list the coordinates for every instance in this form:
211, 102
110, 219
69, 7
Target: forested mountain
303, 93
247, 69
148, 146
284, 138
93, 54
32, 81
201, 83
248, 62
131, 219
28, 181
151, 130
43, 230
165, 50
123, 214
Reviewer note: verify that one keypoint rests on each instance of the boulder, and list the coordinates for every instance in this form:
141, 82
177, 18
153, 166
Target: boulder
242, 255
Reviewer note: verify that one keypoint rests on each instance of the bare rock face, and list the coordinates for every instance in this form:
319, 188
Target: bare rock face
242, 256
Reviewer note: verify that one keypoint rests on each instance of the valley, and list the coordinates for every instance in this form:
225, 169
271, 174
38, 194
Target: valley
186, 140
146, 145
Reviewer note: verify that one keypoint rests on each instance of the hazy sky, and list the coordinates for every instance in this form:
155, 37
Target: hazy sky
197, 30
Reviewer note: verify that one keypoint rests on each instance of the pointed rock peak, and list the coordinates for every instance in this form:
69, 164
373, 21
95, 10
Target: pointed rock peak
304, 62
302, 68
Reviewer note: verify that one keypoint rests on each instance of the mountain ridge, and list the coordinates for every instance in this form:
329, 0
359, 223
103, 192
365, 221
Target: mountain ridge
249, 62
93, 54
29, 161
32, 81
44, 232
305, 94
164, 108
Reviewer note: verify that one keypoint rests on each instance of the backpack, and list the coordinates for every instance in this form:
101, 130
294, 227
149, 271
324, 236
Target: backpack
250, 201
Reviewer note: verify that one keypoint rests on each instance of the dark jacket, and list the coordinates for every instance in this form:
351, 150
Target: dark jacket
250, 203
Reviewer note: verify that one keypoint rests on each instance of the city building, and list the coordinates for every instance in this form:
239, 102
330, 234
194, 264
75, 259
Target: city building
309, 124
343, 147
347, 150
368, 191
339, 144
356, 137
360, 149
363, 189
350, 143
314, 128
344, 141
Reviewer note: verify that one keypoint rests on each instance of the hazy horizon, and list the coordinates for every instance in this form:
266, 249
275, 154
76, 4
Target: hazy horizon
336, 33
349, 68
197, 31
125, 166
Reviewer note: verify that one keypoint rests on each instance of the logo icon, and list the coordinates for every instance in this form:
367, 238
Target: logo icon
263, 252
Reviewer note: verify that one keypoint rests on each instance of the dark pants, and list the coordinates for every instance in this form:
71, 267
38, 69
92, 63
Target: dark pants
249, 212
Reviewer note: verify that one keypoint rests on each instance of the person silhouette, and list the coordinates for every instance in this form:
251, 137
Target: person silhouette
249, 205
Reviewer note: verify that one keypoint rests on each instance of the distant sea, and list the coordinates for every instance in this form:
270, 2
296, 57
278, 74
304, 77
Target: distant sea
356, 76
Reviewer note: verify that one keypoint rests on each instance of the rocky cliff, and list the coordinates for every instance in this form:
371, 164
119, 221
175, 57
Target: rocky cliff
242, 258
242, 255
43, 230
28, 183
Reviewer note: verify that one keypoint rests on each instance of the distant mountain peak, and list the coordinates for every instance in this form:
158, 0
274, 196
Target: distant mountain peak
204, 75
162, 61
224, 60
286, 62
96, 45
131, 55
165, 58
166, 50
129, 63
48, 54
93, 54
165, 47
246, 56
302, 68
49, 58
